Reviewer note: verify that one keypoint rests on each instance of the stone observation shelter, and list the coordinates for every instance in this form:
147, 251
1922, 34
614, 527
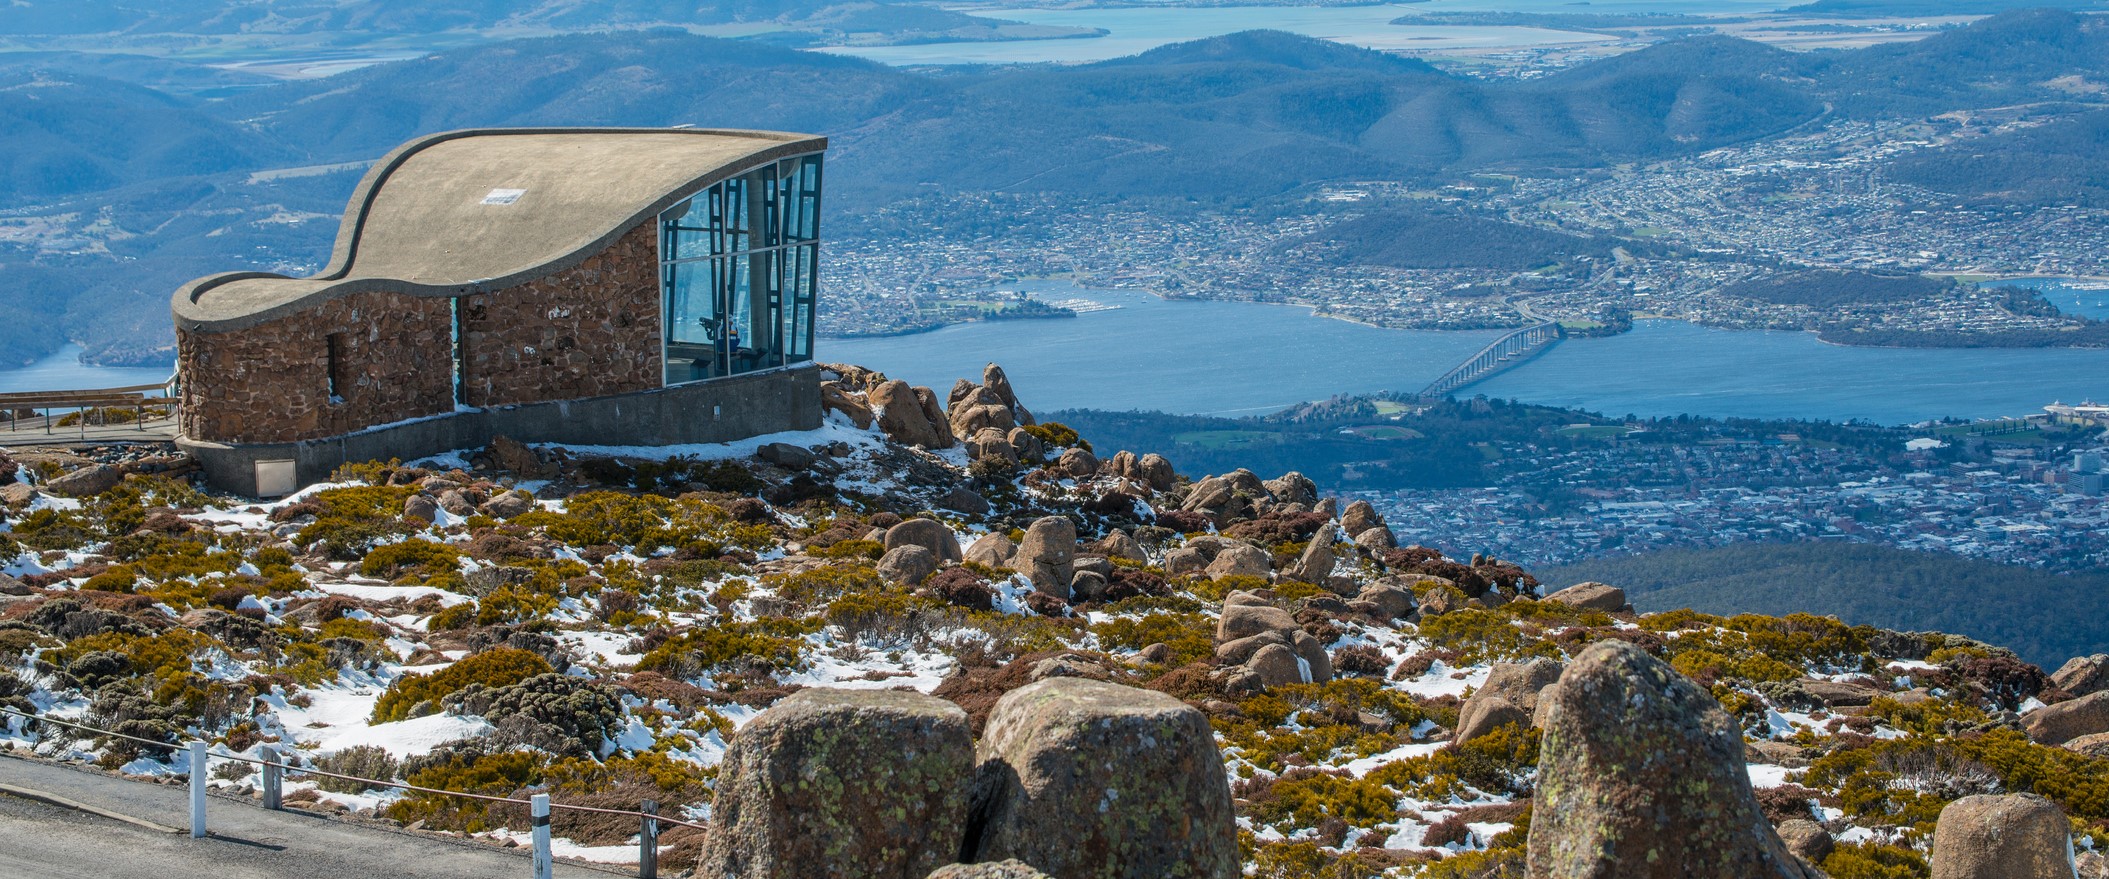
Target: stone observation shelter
584, 286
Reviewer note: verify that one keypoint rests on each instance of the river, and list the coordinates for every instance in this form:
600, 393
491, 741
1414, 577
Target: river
1234, 358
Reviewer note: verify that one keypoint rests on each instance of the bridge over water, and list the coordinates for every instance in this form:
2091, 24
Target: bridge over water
1507, 352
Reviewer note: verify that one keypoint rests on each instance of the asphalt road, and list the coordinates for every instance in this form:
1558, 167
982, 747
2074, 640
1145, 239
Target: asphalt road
41, 841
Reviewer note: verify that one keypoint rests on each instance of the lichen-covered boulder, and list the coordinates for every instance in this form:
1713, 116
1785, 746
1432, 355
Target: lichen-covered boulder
908, 565
900, 415
1005, 869
843, 784
1089, 780
1047, 555
1807, 840
2011, 836
2065, 721
1591, 596
2083, 675
992, 549
1293, 488
1392, 601
1360, 517
1155, 470
1241, 560
1486, 714
1520, 683
1641, 776
1315, 566
929, 534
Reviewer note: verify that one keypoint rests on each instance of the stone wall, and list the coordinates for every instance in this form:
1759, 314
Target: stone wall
588, 331
271, 383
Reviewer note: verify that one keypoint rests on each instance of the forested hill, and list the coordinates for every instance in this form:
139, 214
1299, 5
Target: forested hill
1231, 119
2044, 617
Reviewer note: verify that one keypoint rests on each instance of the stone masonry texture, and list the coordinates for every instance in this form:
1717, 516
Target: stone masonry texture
587, 331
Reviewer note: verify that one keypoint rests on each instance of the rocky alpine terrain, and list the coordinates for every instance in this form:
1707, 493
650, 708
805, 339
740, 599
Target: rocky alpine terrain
938, 638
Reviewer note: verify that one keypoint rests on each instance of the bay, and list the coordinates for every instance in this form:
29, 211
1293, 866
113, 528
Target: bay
1237, 358
64, 371
1132, 30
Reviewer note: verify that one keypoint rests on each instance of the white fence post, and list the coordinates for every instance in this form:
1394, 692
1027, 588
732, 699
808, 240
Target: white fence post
197, 790
274, 779
545, 865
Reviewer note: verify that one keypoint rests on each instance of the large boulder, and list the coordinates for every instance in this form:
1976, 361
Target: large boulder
1078, 463
1393, 600
981, 408
1591, 596
908, 565
1293, 488
1010, 868
1047, 555
1241, 560
1245, 620
833, 397
1483, 715
999, 384
1521, 684
929, 534
1316, 564
88, 481
1359, 517
1807, 840
993, 549
2065, 721
1156, 471
901, 417
2093, 745
2083, 675
843, 783
1377, 539
1085, 779
934, 413
1641, 776
2011, 836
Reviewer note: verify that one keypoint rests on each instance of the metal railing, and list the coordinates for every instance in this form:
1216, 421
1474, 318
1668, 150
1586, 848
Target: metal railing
85, 403
275, 769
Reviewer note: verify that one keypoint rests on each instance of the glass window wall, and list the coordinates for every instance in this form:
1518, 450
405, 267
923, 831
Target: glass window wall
738, 272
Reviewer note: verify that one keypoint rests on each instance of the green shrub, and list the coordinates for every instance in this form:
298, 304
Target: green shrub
364, 761
1305, 799
1875, 861
498, 775
459, 616
494, 668
766, 645
871, 550
391, 560
352, 520
1191, 636
1484, 636
1057, 435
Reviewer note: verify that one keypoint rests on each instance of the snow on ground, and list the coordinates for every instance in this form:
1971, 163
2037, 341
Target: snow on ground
830, 431
1442, 680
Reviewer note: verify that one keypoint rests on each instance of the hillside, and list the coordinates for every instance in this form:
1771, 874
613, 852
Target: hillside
2058, 163
344, 24
1435, 239
2043, 617
612, 625
1238, 119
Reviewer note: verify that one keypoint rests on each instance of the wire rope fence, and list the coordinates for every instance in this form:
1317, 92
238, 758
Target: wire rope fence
275, 770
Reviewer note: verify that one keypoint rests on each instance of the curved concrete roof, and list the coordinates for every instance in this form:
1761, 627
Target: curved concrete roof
433, 219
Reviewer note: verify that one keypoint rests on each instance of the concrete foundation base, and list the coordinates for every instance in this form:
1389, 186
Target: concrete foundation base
716, 411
